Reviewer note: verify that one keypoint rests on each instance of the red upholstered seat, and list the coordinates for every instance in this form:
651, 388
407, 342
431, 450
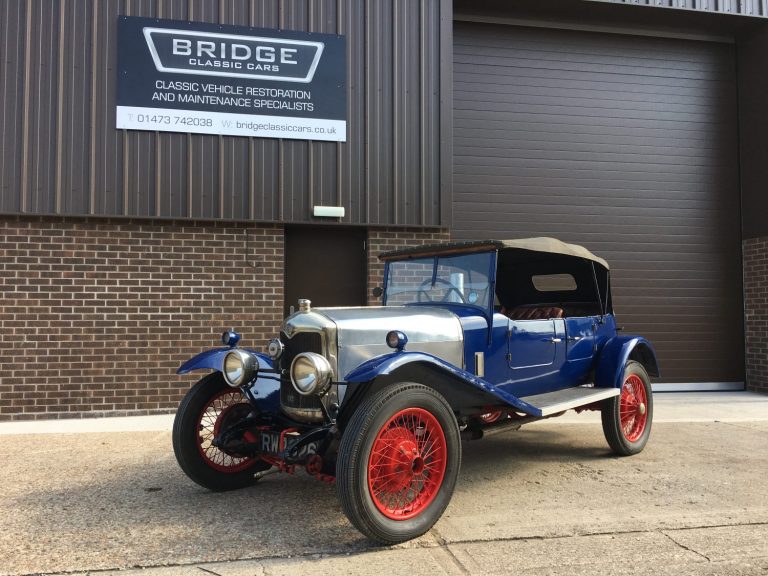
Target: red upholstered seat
532, 312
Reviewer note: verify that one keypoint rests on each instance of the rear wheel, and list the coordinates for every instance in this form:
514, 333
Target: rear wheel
398, 462
210, 407
627, 418
491, 417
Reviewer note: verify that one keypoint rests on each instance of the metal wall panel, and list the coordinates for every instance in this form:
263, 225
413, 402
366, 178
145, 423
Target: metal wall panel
62, 155
736, 7
627, 145
12, 128
40, 97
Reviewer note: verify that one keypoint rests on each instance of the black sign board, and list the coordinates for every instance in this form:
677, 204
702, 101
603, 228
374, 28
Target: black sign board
179, 76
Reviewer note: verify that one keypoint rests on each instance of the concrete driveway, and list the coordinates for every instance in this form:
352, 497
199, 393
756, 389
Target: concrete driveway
548, 499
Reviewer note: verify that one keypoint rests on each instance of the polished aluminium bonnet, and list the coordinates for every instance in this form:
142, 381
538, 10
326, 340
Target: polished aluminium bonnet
361, 333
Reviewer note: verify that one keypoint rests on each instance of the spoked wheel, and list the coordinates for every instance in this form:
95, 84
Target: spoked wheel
398, 462
407, 464
208, 408
222, 410
491, 417
627, 418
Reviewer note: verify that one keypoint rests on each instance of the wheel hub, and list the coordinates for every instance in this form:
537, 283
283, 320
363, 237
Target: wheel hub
407, 464
403, 459
633, 408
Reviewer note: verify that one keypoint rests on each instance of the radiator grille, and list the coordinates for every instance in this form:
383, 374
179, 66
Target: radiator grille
302, 342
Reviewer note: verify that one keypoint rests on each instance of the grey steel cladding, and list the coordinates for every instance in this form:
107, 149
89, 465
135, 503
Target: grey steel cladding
62, 155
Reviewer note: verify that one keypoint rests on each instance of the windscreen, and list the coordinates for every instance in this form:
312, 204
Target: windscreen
461, 279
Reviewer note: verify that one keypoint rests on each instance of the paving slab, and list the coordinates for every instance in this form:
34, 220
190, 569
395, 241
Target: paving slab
154, 423
576, 555
639, 553
718, 544
432, 561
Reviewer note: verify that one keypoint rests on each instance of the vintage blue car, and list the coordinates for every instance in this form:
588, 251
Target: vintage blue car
471, 337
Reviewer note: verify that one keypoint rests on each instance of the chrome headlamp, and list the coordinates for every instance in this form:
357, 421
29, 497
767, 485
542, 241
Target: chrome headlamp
311, 374
239, 367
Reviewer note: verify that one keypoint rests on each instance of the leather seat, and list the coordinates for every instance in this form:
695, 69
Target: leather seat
532, 312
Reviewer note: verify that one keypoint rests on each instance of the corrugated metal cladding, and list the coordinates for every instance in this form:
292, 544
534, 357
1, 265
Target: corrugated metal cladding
61, 153
737, 7
627, 145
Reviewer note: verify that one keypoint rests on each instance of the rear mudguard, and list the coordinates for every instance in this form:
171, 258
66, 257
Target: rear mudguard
264, 393
614, 356
481, 392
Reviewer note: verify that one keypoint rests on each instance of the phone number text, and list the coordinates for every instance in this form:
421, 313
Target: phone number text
169, 120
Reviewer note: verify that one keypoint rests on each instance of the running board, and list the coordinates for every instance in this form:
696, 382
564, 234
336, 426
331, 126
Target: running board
562, 400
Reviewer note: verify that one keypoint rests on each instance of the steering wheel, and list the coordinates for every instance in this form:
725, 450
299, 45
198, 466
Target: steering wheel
428, 298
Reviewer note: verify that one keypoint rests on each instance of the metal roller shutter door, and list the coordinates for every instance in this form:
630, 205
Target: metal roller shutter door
627, 145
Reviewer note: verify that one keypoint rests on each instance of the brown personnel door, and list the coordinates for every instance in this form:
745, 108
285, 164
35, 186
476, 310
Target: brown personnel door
325, 265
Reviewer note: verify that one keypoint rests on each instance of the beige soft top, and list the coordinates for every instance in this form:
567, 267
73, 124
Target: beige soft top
541, 244
554, 246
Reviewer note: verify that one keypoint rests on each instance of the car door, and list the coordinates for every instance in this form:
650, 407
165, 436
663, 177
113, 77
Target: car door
532, 343
536, 351
580, 347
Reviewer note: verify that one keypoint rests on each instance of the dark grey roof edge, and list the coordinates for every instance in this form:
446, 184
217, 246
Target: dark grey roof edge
441, 247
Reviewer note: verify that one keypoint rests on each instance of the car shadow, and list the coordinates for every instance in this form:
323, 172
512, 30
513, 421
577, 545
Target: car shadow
150, 513
537, 444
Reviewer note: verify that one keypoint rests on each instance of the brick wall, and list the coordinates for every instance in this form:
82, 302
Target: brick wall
756, 312
95, 316
384, 239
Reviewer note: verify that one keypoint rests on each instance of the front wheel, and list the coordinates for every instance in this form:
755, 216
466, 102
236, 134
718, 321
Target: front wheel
398, 462
210, 407
627, 418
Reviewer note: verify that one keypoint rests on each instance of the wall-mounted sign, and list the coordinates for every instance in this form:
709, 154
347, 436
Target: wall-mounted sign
178, 76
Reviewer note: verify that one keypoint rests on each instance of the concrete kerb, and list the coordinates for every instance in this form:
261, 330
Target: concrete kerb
668, 407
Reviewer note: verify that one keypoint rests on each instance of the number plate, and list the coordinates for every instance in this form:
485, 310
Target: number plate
269, 443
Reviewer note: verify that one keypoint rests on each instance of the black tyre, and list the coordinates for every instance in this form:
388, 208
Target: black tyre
627, 417
398, 462
209, 407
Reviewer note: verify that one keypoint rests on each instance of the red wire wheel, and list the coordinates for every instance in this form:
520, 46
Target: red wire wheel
491, 417
223, 409
407, 464
207, 409
633, 409
627, 417
398, 461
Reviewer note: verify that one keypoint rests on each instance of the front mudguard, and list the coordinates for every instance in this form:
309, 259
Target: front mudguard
264, 392
615, 355
461, 389
213, 359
